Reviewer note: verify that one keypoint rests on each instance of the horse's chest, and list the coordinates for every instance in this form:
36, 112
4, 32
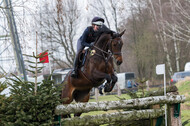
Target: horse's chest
105, 67
81, 83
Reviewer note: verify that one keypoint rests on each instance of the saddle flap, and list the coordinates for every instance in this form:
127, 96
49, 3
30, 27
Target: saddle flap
82, 57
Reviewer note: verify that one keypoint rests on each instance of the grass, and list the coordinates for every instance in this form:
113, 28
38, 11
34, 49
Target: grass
110, 98
184, 89
185, 117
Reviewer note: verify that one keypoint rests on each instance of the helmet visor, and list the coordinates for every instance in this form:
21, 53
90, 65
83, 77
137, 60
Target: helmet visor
99, 23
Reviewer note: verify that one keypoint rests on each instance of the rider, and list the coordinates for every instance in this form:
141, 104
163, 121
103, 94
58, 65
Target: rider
88, 38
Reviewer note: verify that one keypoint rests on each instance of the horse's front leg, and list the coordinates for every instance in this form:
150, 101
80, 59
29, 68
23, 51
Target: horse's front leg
101, 75
109, 86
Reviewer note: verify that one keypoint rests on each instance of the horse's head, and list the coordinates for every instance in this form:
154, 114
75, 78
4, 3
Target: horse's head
110, 42
116, 46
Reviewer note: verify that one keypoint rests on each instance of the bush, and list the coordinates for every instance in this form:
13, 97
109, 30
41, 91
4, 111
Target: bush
26, 109
2, 98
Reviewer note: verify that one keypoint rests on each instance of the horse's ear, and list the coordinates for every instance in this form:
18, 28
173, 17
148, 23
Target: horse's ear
122, 33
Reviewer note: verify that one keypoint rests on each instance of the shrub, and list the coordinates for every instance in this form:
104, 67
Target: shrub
25, 108
31, 104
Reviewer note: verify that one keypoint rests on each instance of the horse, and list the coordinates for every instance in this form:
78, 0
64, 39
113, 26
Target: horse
98, 67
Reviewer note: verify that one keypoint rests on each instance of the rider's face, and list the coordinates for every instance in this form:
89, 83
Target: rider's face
96, 27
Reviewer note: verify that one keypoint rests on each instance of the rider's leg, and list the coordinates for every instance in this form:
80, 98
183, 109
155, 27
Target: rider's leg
79, 48
75, 71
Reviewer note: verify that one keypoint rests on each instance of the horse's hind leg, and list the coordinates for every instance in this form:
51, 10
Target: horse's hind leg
81, 96
67, 93
67, 96
67, 100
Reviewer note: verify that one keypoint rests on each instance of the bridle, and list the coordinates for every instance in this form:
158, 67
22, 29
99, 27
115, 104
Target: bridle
109, 53
106, 55
110, 46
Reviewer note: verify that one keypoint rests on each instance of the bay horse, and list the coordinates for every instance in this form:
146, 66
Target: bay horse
97, 68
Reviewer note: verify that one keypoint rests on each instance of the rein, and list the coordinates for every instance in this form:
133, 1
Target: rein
109, 52
106, 53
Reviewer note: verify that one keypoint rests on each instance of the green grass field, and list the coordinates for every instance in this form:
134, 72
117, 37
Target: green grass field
110, 98
183, 88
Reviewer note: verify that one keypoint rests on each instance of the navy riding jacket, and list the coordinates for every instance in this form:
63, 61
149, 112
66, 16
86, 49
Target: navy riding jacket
89, 35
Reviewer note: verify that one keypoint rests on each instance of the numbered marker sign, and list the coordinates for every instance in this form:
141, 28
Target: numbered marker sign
160, 69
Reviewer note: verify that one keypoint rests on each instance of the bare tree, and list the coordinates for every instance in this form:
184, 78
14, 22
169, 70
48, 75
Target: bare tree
142, 47
111, 10
178, 28
171, 20
59, 31
157, 16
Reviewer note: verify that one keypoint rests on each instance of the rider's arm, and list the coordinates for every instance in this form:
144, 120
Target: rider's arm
84, 38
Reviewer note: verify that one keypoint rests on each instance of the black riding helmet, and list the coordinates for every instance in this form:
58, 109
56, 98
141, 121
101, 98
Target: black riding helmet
97, 21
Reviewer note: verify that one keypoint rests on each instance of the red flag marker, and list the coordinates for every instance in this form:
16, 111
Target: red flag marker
45, 58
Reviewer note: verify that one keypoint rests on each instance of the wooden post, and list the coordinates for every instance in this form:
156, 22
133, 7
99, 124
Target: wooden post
147, 85
118, 90
174, 120
96, 94
154, 120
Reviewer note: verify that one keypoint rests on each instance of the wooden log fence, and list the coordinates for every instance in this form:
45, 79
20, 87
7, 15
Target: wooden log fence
121, 106
97, 120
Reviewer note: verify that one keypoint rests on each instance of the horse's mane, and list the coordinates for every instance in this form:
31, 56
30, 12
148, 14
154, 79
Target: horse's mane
103, 37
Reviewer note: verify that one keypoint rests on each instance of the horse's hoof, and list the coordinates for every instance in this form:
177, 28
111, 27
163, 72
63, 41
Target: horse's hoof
101, 90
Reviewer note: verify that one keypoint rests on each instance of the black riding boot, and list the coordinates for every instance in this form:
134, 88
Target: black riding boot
74, 73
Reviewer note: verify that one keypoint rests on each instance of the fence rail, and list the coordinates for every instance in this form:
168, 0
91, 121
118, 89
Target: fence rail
122, 104
97, 120
129, 111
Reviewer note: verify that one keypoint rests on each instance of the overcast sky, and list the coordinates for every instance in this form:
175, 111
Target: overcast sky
25, 13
